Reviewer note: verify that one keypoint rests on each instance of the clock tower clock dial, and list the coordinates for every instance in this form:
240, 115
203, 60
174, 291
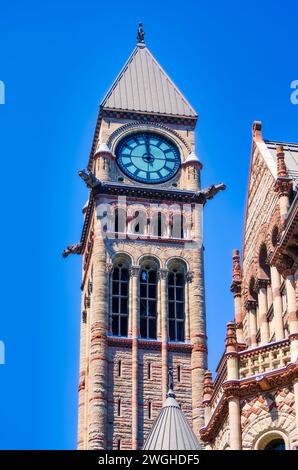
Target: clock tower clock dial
148, 157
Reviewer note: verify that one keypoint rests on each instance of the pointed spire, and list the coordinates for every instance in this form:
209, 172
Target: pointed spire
171, 430
140, 35
281, 165
208, 386
236, 266
231, 338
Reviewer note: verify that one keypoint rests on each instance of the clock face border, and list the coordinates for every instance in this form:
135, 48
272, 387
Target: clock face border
172, 145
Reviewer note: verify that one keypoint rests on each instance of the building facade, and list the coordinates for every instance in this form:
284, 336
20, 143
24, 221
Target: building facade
253, 401
143, 305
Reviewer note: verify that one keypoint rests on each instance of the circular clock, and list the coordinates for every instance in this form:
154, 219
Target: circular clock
148, 157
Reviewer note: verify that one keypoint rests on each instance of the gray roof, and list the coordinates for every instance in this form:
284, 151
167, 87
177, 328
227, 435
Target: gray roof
143, 86
291, 156
171, 431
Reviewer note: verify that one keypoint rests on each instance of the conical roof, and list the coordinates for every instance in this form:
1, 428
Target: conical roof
171, 430
143, 86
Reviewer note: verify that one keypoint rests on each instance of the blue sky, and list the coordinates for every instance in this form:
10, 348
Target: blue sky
233, 61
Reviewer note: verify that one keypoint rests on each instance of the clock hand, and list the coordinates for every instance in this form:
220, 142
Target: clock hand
147, 146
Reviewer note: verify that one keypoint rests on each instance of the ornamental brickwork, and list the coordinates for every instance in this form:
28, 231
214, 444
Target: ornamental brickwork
254, 399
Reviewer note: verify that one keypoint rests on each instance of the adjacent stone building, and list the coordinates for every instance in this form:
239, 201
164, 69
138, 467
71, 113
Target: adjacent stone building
143, 301
253, 401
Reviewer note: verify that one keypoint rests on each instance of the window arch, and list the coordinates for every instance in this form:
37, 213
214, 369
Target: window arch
148, 300
272, 440
120, 299
176, 302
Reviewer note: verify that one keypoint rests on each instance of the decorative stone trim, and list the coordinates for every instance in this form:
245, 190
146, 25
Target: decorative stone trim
154, 345
139, 126
243, 389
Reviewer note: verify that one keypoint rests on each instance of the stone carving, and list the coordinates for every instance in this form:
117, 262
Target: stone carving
72, 249
89, 178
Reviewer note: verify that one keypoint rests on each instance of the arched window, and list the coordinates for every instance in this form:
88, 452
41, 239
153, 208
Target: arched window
119, 221
176, 304
276, 444
139, 223
120, 283
148, 301
159, 224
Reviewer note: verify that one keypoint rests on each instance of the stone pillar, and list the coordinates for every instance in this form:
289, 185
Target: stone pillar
208, 391
82, 383
251, 306
198, 337
236, 290
283, 184
233, 399
163, 276
188, 279
134, 356
277, 304
292, 316
263, 309
97, 409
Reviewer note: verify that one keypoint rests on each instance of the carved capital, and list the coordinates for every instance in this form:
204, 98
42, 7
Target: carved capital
163, 274
250, 304
189, 275
109, 268
134, 271
262, 283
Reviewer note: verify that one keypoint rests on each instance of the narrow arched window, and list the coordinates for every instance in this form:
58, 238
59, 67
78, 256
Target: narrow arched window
149, 409
148, 302
119, 407
119, 368
179, 374
120, 281
149, 370
176, 305
119, 221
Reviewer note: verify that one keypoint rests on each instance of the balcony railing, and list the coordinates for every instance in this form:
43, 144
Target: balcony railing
264, 359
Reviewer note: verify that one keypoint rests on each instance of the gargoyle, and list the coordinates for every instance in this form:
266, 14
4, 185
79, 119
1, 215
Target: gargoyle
72, 250
89, 178
212, 190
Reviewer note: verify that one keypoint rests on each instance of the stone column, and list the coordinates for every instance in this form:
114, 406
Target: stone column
82, 382
277, 304
134, 356
97, 410
236, 290
198, 328
263, 309
251, 306
292, 316
163, 276
208, 391
233, 399
188, 279
283, 184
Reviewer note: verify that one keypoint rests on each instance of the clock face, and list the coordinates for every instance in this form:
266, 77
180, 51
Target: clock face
148, 157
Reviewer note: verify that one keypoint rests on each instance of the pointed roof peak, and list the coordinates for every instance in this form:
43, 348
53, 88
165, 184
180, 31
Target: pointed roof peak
171, 430
144, 87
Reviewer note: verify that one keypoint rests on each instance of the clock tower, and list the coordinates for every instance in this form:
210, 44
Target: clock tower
143, 304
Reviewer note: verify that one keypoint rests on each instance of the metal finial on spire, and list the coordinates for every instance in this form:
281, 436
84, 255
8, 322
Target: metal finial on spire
141, 34
170, 382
